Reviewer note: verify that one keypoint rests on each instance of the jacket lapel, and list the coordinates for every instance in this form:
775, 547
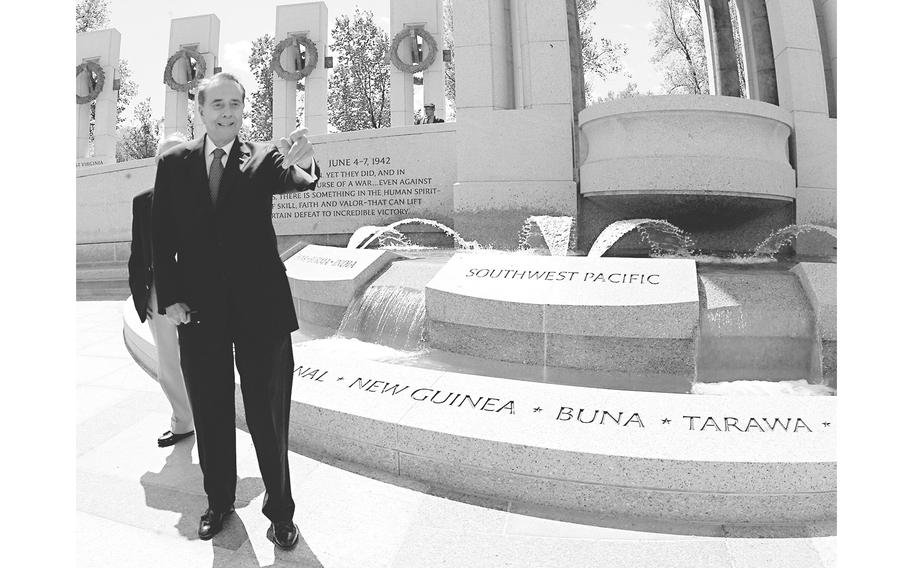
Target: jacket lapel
240, 153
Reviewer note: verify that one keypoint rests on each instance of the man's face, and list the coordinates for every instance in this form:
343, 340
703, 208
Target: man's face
222, 112
429, 111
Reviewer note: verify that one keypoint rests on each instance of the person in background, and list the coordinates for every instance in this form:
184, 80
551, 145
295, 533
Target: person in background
429, 115
164, 332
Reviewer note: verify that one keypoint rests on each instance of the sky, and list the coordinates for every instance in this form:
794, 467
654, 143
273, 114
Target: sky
145, 26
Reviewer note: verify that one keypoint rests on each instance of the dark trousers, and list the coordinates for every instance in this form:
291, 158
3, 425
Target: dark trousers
266, 367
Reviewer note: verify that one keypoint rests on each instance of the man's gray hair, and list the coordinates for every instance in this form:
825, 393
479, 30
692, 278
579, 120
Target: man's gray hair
208, 81
169, 142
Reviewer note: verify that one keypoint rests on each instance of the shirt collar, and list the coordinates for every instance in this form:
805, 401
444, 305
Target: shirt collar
210, 146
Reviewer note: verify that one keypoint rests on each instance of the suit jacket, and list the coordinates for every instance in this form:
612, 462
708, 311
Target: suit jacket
140, 263
222, 260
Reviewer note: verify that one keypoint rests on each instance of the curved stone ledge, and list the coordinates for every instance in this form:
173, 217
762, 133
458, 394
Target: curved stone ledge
686, 144
675, 356
574, 312
643, 455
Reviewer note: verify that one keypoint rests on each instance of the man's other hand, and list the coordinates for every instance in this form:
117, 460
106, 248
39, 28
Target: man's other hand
178, 313
296, 149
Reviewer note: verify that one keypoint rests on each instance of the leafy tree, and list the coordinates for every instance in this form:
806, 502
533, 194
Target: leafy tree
738, 44
359, 87
602, 56
140, 139
448, 42
630, 90
191, 119
680, 46
128, 91
92, 15
260, 107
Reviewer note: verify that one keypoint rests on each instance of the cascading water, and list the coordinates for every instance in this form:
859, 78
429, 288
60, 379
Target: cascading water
389, 315
557, 232
459, 242
782, 237
661, 237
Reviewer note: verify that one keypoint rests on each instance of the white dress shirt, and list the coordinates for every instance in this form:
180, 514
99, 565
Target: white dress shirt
307, 175
209, 155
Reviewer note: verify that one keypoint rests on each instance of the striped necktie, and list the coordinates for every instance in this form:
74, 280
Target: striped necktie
215, 173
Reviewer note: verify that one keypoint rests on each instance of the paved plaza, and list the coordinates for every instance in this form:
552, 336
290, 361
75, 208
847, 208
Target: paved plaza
138, 505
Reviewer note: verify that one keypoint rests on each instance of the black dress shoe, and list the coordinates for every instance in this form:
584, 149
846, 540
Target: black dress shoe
284, 534
211, 522
169, 438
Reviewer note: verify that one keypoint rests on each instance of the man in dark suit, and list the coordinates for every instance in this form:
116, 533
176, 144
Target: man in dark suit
219, 277
164, 332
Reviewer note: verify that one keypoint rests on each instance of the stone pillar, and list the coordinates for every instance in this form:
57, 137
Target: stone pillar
426, 15
802, 91
826, 12
102, 47
761, 77
514, 143
721, 49
483, 43
200, 33
310, 19
83, 115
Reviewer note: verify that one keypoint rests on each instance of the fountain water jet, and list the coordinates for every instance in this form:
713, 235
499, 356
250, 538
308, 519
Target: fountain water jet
681, 242
778, 239
557, 233
389, 315
391, 238
459, 242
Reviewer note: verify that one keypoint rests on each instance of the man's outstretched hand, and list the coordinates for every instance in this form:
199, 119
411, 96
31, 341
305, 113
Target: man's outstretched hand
296, 149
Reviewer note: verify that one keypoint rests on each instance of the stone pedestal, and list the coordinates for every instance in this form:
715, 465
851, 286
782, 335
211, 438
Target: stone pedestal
424, 15
83, 117
201, 34
311, 20
515, 117
102, 47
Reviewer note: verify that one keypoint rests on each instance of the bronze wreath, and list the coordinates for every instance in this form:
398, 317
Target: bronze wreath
312, 57
169, 70
91, 67
428, 59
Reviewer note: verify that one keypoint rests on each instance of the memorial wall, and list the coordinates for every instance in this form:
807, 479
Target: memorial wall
373, 177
